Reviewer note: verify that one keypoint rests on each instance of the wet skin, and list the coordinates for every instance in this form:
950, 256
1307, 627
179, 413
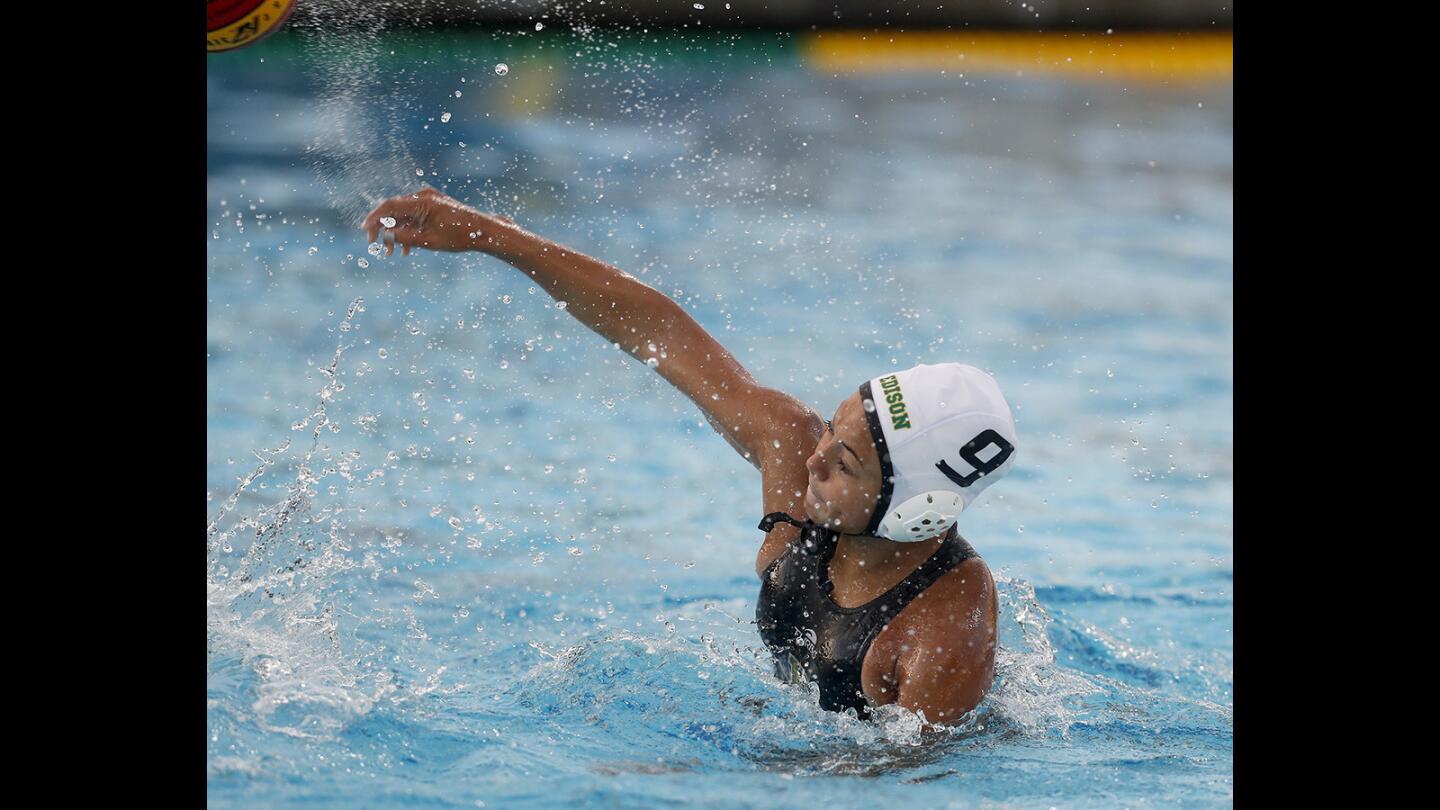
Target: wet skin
937, 656
944, 640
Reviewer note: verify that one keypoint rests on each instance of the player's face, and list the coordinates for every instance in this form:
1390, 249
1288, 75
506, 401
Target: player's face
844, 472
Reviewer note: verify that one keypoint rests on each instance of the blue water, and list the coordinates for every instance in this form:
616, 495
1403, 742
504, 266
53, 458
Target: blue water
462, 553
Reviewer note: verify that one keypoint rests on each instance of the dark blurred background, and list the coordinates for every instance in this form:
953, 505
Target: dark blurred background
1047, 14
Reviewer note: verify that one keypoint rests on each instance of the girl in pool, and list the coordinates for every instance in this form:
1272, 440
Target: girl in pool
867, 589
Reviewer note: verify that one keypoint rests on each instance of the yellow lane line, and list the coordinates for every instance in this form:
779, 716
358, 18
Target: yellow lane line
1154, 56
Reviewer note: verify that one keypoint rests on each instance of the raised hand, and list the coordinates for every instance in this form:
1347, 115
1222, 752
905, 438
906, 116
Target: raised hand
431, 220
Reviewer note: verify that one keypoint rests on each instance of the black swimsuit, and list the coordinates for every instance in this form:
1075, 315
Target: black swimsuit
815, 639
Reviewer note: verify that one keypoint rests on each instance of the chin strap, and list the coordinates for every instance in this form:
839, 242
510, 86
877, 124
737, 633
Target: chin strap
768, 522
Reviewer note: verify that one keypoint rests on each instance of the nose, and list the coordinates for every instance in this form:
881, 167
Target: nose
816, 465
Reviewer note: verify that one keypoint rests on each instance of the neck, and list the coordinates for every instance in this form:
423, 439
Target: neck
867, 555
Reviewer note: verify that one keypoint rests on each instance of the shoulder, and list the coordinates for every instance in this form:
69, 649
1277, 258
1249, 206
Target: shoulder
950, 667
791, 428
787, 411
966, 587
766, 425
787, 435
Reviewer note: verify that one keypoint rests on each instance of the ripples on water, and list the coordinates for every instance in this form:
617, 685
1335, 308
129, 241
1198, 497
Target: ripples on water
321, 657
449, 561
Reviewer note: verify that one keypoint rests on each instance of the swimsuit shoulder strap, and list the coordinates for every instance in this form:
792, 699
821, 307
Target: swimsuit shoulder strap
951, 553
813, 538
768, 522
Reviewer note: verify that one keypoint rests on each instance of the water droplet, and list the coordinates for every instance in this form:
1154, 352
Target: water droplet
362, 264
500, 70
388, 222
456, 524
653, 362
504, 364
699, 6
539, 26
777, 442
549, 468
561, 305
445, 118
457, 94
575, 551
313, 250
383, 354
869, 405
419, 172
373, 249
505, 299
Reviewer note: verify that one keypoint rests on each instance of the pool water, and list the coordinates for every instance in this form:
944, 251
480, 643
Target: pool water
462, 553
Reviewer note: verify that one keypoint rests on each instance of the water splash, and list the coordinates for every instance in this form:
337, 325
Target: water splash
270, 521
1032, 692
284, 608
723, 695
360, 154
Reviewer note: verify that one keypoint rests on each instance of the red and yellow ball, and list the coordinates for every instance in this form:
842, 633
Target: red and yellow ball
234, 24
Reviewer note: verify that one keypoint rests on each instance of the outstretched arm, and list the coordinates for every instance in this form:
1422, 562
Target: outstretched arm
642, 320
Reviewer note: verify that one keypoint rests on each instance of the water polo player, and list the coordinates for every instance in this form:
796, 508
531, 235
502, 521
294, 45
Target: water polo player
867, 588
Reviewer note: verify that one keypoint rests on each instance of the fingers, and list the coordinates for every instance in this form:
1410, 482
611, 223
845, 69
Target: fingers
372, 220
371, 224
405, 236
401, 209
407, 216
399, 212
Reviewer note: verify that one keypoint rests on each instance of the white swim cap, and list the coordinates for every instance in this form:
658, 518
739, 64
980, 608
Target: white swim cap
944, 433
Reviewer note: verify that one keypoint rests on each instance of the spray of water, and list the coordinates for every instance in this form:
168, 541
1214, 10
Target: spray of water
282, 577
360, 155
1032, 692
722, 694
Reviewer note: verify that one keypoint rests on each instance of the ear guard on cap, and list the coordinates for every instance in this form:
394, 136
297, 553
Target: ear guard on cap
922, 517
